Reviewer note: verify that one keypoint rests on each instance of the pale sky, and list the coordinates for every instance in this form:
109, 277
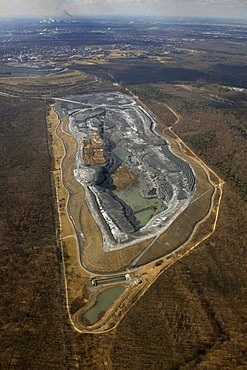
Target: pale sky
180, 8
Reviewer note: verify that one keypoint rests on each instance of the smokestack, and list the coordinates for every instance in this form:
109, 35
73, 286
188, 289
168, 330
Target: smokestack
65, 12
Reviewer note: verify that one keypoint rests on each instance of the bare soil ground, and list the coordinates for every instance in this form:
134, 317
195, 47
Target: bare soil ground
66, 83
123, 178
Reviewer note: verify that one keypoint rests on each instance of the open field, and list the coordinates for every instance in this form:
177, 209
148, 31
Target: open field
68, 82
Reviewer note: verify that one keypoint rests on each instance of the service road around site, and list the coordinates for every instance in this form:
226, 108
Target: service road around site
132, 199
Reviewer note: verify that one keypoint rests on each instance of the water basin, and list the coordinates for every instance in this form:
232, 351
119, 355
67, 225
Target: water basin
103, 303
120, 152
143, 208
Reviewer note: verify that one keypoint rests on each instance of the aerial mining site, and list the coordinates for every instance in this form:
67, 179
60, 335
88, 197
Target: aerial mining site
135, 185
132, 199
124, 184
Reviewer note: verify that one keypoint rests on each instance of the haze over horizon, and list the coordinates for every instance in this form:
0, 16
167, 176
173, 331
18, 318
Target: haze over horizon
169, 8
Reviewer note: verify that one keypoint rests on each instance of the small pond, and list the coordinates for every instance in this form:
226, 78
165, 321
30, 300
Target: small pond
103, 303
143, 208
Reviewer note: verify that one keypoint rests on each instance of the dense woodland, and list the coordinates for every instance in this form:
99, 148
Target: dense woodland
194, 315
32, 314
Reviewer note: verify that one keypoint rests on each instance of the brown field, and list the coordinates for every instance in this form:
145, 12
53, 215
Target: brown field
66, 83
123, 178
93, 150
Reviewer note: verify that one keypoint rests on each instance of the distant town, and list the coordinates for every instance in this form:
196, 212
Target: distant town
90, 41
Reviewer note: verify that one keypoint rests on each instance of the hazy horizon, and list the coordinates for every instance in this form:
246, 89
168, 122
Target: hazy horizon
230, 9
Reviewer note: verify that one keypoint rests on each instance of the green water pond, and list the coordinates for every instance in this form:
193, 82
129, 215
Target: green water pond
121, 152
142, 207
103, 303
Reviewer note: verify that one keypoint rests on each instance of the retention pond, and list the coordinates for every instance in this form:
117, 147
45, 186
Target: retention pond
103, 303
